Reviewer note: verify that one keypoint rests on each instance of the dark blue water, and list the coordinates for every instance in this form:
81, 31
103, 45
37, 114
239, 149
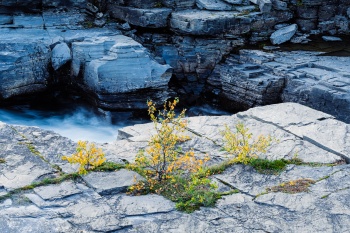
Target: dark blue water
82, 122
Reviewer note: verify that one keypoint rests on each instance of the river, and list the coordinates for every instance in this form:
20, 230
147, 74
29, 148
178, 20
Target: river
79, 121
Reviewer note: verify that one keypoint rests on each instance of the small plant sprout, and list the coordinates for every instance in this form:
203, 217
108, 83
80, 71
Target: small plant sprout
87, 155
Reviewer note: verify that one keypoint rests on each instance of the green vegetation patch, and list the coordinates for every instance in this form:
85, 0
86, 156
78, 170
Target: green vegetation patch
268, 166
109, 166
44, 182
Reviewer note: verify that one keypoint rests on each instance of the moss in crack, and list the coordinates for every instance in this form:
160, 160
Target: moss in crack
293, 186
109, 166
2, 160
44, 182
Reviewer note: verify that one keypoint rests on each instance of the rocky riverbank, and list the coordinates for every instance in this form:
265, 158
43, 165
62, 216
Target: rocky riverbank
119, 53
97, 202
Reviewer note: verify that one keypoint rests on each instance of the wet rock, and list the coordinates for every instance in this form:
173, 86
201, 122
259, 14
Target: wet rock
235, 2
331, 38
300, 39
61, 54
283, 35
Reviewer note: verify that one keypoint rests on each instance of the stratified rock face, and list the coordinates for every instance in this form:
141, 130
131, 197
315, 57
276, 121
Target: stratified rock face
246, 85
98, 202
117, 66
258, 78
204, 22
23, 66
151, 18
215, 5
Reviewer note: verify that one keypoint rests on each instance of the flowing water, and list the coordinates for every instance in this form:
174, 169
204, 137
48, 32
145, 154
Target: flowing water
78, 121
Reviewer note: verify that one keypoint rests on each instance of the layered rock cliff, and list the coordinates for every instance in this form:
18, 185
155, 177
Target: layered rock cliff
171, 48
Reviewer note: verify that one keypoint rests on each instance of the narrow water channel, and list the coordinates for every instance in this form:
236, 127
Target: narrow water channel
79, 121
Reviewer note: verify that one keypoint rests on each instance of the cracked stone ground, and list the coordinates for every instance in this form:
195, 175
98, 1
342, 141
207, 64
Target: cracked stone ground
97, 202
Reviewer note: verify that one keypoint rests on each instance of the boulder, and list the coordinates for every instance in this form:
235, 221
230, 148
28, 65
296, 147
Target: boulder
116, 69
284, 34
61, 54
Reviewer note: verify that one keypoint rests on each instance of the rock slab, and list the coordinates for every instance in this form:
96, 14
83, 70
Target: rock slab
283, 35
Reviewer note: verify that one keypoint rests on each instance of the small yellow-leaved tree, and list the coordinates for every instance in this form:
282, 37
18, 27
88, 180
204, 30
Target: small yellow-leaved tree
87, 155
241, 145
163, 158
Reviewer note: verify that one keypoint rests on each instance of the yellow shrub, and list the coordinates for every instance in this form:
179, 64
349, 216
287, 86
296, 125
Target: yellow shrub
163, 158
241, 145
87, 155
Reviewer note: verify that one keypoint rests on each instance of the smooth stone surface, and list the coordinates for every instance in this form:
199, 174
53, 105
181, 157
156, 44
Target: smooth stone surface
61, 54
331, 38
203, 22
144, 205
283, 35
57, 191
106, 183
116, 69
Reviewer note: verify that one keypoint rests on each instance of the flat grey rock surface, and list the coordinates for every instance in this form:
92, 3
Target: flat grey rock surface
98, 202
112, 182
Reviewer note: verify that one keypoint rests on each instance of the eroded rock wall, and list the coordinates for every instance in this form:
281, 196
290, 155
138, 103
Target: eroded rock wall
255, 78
54, 47
194, 36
